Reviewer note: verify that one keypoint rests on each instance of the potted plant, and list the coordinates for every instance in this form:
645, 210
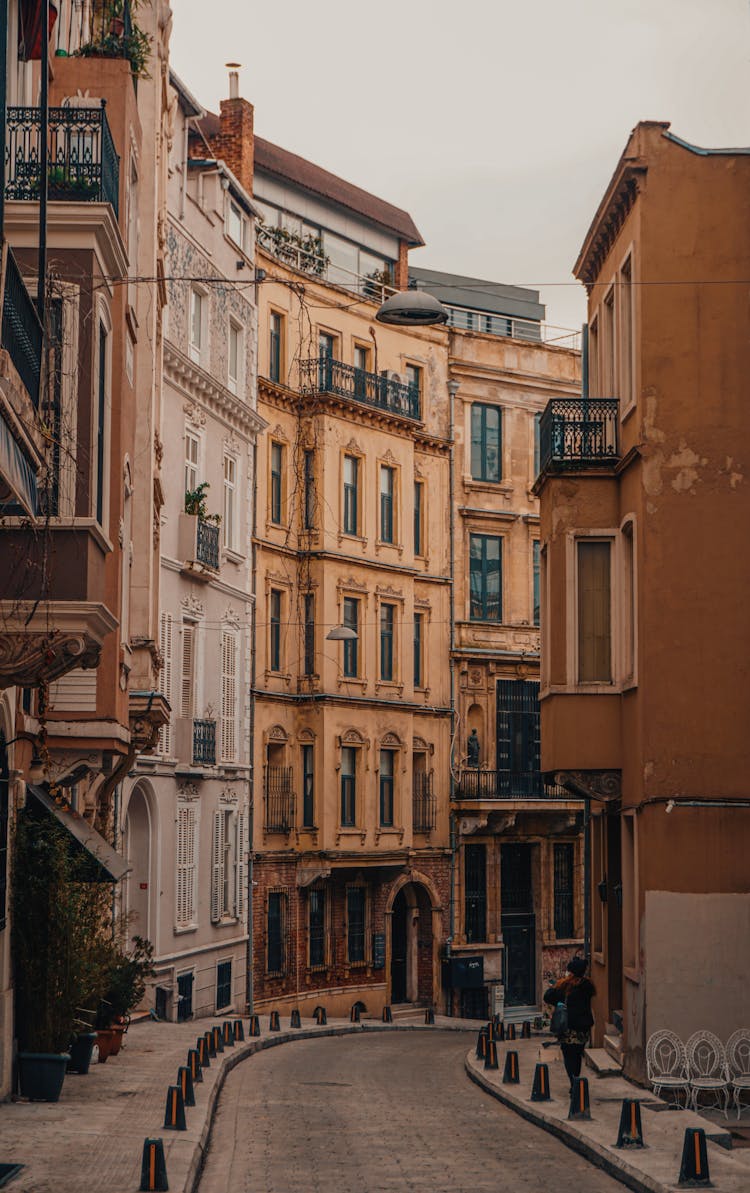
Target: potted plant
123, 37
195, 504
125, 985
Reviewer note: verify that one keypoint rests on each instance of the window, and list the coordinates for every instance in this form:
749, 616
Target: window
275, 623
192, 455
351, 646
277, 465
628, 602
475, 893
165, 649
197, 318
625, 302
308, 490
236, 225
326, 349
518, 760
185, 865
348, 786
230, 495
308, 787
351, 495
594, 358
485, 577
537, 445
594, 614
317, 928
414, 379
356, 906
184, 996
485, 443
276, 933
101, 423
309, 652
419, 518
387, 613
187, 678
630, 916
386, 787
228, 696
234, 357
563, 893
607, 346
223, 985
418, 628
536, 607
276, 327
227, 866
387, 484
361, 371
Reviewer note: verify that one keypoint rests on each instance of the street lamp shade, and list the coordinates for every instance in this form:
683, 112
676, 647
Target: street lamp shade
341, 633
412, 308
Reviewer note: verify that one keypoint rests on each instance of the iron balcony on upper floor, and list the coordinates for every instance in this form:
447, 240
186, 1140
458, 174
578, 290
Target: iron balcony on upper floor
83, 166
576, 433
324, 375
476, 784
21, 329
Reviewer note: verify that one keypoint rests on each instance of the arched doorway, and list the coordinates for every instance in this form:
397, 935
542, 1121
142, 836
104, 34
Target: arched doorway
137, 849
412, 970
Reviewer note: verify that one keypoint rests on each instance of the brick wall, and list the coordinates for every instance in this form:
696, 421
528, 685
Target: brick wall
235, 143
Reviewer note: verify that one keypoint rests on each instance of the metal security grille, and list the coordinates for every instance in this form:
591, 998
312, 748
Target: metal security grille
564, 864
475, 893
518, 759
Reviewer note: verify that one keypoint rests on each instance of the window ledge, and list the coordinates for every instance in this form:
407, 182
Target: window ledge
632, 975
488, 486
185, 929
226, 921
232, 555
355, 538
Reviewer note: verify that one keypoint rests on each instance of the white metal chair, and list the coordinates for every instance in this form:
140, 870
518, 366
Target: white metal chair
666, 1065
738, 1059
707, 1069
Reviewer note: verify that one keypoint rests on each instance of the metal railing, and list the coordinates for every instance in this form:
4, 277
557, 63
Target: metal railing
504, 784
424, 804
324, 375
204, 743
579, 433
279, 799
207, 544
307, 260
83, 165
537, 331
21, 329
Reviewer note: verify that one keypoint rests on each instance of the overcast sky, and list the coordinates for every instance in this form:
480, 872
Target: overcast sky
495, 123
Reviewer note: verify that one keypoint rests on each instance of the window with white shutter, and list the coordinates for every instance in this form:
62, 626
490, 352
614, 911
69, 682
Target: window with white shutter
187, 677
185, 866
240, 870
228, 696
217, 867
165, 647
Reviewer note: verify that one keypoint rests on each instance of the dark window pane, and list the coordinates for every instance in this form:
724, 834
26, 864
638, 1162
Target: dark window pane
351, 494
535, 577
351, 647
485, 443
564, 910
386, 504
276, 466
317, 929
475, 897
348, 787
518, 761
309, 634
386, 787
485, 578
386, 642
223, 984
275, 932
355, 924
418, 623
308, 787
308, 499
275, 630
418, 490
274, 371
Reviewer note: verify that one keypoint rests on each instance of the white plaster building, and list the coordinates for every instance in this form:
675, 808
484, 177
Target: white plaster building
186, 809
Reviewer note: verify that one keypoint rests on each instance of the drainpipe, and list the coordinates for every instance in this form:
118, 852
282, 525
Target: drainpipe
249, 990
587, 804
43, 162
452, 391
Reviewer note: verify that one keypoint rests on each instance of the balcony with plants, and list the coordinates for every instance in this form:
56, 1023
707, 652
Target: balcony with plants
199, 535
83, 166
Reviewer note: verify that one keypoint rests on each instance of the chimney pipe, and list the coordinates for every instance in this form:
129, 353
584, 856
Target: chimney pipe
234, 79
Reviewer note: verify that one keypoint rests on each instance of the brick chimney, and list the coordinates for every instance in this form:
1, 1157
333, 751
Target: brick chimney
235, 141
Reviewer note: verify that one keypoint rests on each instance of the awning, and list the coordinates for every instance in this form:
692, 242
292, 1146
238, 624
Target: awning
106, 864
16, 470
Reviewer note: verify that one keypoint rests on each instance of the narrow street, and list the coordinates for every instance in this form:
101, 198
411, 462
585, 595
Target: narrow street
375, 1115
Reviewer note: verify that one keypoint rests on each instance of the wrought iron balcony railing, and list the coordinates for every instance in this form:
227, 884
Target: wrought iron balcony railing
279, 799
21, 329
579, 433
424, 804
83, 165
505, 784
204, 743
324, 375
207, 544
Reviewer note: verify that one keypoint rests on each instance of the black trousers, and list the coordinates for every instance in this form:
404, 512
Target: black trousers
572, 1058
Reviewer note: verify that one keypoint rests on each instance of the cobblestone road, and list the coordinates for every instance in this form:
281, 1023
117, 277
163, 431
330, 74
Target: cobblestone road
379, 1114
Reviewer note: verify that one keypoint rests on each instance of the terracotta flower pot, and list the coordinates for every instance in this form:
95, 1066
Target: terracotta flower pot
118, 1031
104, 1042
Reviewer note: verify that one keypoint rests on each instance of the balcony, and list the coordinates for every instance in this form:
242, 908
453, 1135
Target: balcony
204, 743
21, 329
83, 165
199, 545
324, 375
578, 433
424, 804
279, 799
506, 785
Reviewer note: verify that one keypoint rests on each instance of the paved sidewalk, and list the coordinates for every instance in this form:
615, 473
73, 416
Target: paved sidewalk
653, 1169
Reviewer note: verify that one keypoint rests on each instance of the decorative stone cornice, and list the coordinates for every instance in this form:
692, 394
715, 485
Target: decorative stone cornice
43, 641
600, 785
147, 712
199, 386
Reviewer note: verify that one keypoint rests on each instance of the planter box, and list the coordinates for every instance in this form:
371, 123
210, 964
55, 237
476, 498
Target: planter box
41, 1075
80, 1052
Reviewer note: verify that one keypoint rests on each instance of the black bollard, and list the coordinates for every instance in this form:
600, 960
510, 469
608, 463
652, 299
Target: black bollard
579, 1099
630, 1133
217, 1038
500, 1030
694, 1167
510, 1031
210, 1045
239, 1031
354, 1014
153, 1167
482, 1043
387, 1015
320, 1016
540, 1085
510, 1072
490, 1059
194, 1064
491, 1030
227, 1034
296, 1020
185, 1082
429, 1016
274, 1023
254, 1026
526, 1029
174, 1115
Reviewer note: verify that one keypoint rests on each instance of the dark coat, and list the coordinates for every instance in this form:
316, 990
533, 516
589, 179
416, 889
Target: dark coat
577, 995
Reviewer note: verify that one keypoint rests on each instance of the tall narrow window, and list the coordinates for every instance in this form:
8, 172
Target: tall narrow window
192, 452
361, 371
517, 738
228, 696
475, 893
536, 610
165, 647
628, 602
308, 490
419, 518
308, 787
317, 928
223, 867
485, 443
607, 346
594, 615
185, 865
386, 787
309, 659
537, 444
274, 347
418, 663
348, 786
563, 893
326, 347
625, 300
230, 497
187, 688
414, 379
275, 637
101, 428
276, 933
351, 494
277, 465
387, 486
485, 577
356, 899
234, 357
387, 613
351, 645
223, 985
197, 304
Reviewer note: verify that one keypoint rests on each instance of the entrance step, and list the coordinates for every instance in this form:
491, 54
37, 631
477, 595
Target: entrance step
408, 1012
519, 1014
613, 1045
603, 1064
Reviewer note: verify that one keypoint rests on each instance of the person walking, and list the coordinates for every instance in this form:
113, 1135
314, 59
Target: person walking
574, 991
